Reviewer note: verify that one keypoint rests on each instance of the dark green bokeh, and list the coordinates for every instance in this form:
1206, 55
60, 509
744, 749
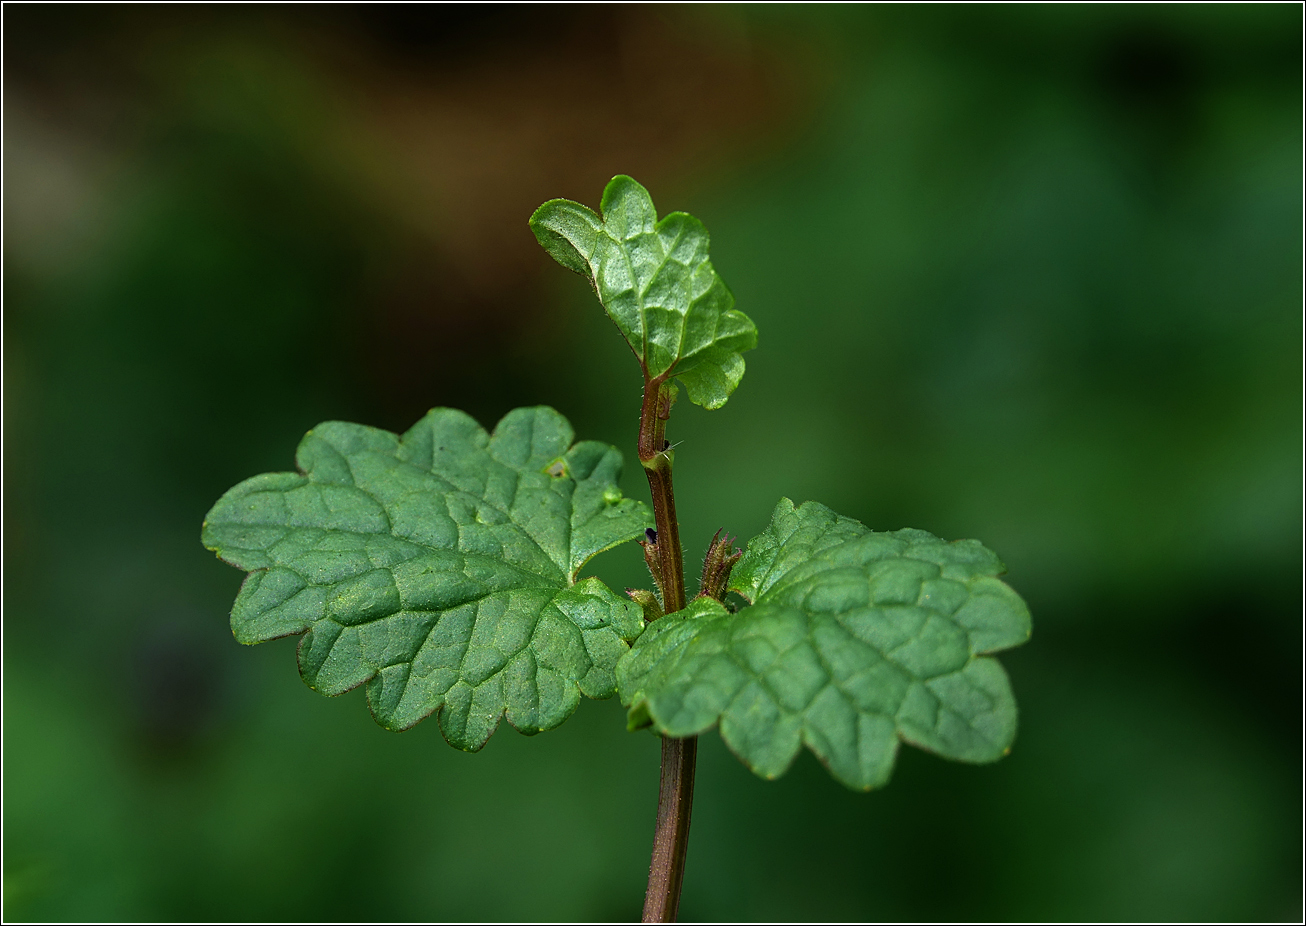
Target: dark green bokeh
1030, 275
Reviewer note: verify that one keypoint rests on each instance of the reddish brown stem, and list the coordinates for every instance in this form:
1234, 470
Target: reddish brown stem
676, 794
655, 456
671, 838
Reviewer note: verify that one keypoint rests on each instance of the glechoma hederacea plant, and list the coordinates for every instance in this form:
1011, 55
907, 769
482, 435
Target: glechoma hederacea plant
442, 569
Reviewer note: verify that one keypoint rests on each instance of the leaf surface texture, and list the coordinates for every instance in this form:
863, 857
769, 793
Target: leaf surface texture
854, 640
439, 568
656, 283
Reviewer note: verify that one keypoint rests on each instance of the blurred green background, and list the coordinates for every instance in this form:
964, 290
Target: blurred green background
1030, 274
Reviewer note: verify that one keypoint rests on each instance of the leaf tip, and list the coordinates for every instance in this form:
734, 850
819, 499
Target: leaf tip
566, 230
615, 186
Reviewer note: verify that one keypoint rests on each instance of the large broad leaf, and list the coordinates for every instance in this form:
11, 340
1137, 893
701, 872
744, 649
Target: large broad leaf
656, 282
854, 640
439, 567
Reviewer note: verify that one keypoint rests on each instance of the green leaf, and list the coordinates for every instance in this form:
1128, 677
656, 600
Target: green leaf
439, 568
854, 640
656, 282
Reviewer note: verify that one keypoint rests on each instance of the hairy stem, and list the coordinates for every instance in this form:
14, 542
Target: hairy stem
656, 458
671, 838
676, 794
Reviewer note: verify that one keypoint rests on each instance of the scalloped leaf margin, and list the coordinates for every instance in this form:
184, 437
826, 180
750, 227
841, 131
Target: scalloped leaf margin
439, 568
854, 641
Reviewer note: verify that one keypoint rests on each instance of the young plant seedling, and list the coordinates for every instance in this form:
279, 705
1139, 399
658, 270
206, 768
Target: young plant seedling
441, 569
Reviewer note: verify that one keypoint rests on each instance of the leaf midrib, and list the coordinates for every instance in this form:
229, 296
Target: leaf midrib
642, 290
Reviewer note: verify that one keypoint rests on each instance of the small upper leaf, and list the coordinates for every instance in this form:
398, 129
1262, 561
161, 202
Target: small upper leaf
854, 640
439, 568
656, 282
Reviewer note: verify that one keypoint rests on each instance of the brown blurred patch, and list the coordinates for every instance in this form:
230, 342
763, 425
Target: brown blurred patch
477, 142
446, 124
